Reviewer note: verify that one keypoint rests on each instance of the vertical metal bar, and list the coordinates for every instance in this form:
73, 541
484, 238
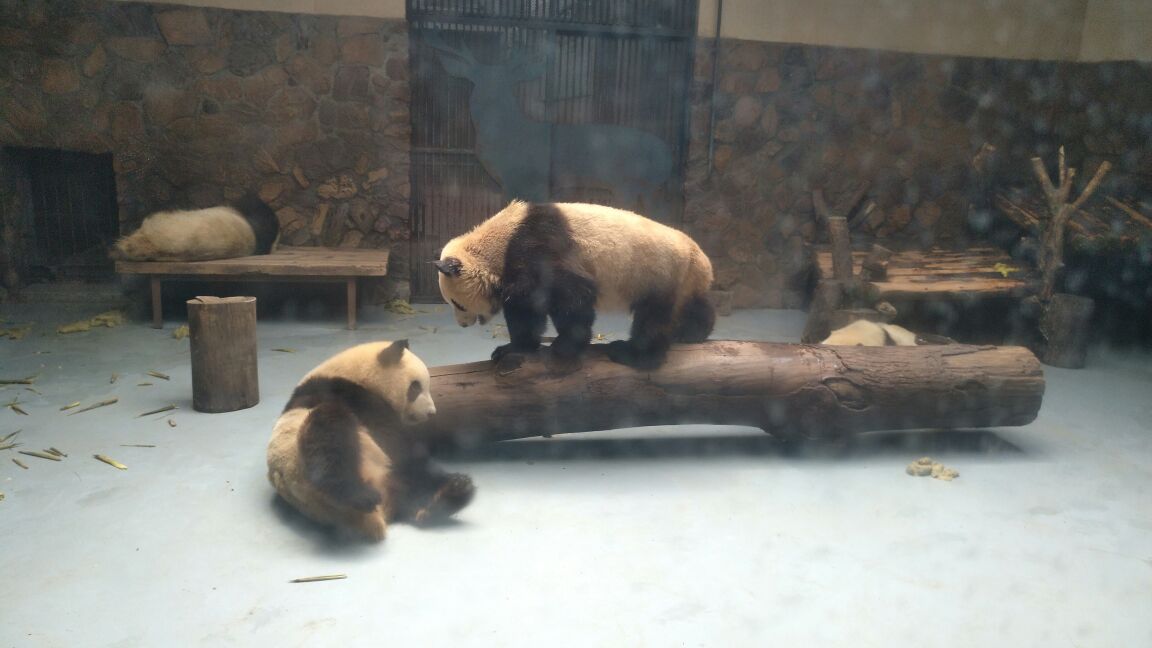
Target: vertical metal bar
712, 100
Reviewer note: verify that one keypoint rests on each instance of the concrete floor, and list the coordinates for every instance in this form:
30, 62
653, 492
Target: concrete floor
689, 536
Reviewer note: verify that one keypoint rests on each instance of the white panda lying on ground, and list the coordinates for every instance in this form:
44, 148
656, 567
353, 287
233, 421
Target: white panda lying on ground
568, 260
245, 228
342, 451
865, 333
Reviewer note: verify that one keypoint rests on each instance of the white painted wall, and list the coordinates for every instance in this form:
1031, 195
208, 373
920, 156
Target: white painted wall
1072, 30
1117, 30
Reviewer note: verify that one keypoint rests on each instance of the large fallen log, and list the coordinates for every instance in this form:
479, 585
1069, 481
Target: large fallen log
794, 391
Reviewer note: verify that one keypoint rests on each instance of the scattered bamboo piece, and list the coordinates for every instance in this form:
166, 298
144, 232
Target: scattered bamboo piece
143, 384
111, 462
166, 408
18, 381
285, 350
103, 403
70, 406
41, 455
57, 451
16, 408
19, 463
157, 374
33, 390
315, 579
9, 436
9, 446
137, 445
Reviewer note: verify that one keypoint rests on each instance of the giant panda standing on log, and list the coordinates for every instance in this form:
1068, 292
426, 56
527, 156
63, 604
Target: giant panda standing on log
568, 260
245, 228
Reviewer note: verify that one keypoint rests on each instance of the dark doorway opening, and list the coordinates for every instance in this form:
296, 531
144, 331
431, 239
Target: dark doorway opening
66, 214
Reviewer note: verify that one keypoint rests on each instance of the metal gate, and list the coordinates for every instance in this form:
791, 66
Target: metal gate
562, 100
73, 213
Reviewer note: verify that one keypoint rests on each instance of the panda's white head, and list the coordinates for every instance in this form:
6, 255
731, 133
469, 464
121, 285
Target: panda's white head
404, 382
388, 371
467, 286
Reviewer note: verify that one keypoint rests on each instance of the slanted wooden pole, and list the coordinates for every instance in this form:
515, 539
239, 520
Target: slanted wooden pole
790, 390
223, 343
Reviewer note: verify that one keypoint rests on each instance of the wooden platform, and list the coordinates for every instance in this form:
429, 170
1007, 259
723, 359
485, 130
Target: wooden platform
942, 274
296, 264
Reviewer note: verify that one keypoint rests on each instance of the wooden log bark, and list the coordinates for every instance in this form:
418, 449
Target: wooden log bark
790, 390
1064, 323
223, 343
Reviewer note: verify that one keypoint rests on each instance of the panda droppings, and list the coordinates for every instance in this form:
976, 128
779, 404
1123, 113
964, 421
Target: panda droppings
926, 467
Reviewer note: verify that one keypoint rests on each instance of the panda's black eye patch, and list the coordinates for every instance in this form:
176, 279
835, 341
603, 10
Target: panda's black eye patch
414, 390
458, 306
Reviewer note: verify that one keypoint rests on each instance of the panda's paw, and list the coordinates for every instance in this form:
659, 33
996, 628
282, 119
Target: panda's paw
508, 349
620, 351
453, 494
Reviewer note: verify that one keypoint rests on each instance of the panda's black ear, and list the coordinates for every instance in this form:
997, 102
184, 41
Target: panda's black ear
450, 266
392, 353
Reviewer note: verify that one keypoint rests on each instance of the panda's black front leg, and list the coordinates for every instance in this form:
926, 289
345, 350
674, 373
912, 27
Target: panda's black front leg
573, 311
526, 322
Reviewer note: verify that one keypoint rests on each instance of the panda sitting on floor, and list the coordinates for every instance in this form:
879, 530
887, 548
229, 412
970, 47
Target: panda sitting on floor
245, 228
566, 261
343, 454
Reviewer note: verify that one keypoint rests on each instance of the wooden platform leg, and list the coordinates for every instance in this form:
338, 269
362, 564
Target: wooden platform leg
157, 317
351, 283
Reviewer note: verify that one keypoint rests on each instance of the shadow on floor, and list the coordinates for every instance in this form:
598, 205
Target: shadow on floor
873, 444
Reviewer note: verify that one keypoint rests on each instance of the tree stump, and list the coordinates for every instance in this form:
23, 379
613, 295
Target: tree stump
1064, 323
791, 390
223, 340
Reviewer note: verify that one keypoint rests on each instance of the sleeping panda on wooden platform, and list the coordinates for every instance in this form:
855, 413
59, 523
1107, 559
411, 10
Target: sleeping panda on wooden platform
569, 260
248, 227
866, 333
343, 454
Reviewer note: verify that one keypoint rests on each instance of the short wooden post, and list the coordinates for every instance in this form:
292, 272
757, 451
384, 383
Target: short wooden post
223, 339
1064, 325
350, 295
157, 305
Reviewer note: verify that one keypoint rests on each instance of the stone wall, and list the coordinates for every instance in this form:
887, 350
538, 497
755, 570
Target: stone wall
201, 105
312, 112
790, 119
